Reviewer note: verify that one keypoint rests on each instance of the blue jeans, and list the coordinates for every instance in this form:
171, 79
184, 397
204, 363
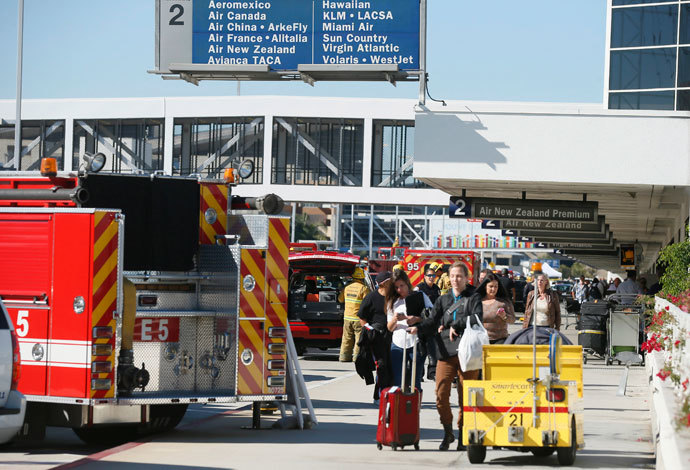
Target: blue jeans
396, 364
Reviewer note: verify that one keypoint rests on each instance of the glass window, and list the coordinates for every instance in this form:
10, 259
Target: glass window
684, 67
659, 100
649, 26
393, 155
39, 139
638, 69
683, 100
685, 23
317, 151
208, 146
637, 2
130, 145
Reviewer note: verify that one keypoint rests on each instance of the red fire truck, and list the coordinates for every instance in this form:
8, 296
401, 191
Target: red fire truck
414, 261
134, 296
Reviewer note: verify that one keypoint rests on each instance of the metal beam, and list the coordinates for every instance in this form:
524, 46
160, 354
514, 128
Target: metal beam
398, 172
233, 140
107, 145
416, 235
325, 157
56, 125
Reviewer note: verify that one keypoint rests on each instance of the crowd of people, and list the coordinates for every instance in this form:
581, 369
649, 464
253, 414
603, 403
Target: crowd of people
433, 316
398, 320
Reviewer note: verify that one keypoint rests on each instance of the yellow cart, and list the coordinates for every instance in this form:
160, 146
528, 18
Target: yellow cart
530, 400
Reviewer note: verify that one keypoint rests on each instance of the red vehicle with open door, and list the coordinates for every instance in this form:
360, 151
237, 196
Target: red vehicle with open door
315, 296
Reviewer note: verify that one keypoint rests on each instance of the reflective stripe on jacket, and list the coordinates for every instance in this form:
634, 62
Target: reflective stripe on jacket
354, 294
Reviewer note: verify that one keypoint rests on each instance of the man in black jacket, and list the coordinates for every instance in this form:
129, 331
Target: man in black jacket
448, 322
426, 342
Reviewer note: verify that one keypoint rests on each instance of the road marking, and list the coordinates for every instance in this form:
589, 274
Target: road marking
131, 445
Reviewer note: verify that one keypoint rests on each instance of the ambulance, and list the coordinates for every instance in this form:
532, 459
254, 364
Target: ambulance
133, 296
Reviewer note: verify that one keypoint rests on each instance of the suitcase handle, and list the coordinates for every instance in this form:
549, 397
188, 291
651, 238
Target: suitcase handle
404, 366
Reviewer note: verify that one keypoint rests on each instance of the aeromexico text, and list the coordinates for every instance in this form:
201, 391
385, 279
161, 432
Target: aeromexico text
327, 4
517, 212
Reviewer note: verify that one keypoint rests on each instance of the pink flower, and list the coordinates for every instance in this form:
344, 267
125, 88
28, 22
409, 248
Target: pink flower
685, 384
666, 307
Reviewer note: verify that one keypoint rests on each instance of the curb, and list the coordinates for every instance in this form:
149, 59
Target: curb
670, 447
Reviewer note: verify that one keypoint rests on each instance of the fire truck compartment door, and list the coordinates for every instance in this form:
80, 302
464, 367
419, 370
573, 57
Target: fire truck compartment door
25, 275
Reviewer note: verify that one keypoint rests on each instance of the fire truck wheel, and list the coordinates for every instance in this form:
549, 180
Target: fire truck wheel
476, 453
566, 455
163, 418
110, 435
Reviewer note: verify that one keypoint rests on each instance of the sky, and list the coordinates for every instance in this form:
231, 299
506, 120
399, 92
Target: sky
495, 50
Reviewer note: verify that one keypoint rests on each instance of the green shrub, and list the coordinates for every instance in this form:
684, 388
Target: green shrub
675, 258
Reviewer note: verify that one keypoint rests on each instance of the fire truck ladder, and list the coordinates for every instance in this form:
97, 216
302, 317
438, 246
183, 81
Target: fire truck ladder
297, 388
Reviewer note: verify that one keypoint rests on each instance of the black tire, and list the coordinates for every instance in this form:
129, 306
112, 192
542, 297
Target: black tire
584, 359
163, 418
394, 447
476, 453
566, 455
108, 435
379, 446
542, 451
416, 446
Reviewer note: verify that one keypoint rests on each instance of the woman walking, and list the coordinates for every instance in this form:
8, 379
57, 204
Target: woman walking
497, 307
548, 305
403, 325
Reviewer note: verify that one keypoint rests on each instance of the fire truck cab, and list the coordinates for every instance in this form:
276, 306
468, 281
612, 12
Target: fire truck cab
135, 295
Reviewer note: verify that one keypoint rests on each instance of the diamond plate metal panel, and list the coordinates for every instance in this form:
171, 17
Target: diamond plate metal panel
252, 229
169, 300
219, 289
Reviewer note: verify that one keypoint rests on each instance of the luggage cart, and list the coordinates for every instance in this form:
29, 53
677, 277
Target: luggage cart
592, 329
625, 328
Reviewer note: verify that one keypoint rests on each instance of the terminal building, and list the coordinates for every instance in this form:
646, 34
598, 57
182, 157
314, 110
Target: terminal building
373, 170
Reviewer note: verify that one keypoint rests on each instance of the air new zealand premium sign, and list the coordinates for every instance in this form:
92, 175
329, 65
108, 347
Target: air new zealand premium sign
523, 209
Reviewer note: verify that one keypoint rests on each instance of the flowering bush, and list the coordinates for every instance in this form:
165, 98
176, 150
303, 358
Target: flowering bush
682, 300
666, 335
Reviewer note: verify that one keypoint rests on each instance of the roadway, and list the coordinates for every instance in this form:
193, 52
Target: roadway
617, 432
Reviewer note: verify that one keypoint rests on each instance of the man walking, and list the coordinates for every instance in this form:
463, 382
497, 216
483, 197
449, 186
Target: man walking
448, 323
427, 345
354, 293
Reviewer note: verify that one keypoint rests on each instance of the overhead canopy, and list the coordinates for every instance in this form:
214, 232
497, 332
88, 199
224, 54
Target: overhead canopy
634, 164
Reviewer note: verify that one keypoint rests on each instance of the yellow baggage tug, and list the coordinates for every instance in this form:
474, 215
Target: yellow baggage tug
530, 399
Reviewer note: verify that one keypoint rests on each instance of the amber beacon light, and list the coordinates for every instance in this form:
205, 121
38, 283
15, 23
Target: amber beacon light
49, 167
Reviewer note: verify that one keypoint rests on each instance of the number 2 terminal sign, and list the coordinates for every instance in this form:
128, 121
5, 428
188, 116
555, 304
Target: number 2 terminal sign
283, 34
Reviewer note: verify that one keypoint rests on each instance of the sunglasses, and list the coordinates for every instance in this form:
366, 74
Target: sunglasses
430, 275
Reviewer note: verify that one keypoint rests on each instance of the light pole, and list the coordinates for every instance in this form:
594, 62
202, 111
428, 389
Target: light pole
18, 117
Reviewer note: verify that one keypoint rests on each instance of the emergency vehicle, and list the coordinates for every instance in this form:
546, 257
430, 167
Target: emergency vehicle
415, 260
135, 295
316, 303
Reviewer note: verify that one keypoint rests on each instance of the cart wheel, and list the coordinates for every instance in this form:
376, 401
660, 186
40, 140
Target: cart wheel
476, 454
416, 446
609, 361
566, 455
394, 447
584, 359
379, 446
619, 362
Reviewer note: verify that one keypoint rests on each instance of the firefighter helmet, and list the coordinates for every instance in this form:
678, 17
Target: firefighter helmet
358, 273
398, 267
435, 266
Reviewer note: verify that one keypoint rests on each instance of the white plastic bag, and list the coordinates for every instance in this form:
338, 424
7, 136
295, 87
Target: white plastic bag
470, 346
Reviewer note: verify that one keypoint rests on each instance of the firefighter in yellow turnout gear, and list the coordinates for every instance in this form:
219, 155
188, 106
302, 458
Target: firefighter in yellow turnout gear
353, 294
443, 281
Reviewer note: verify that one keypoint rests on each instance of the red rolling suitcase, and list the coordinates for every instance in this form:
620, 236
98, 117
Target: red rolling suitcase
398, 424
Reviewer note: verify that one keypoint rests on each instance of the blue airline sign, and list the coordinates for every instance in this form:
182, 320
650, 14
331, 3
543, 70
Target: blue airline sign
286, 33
